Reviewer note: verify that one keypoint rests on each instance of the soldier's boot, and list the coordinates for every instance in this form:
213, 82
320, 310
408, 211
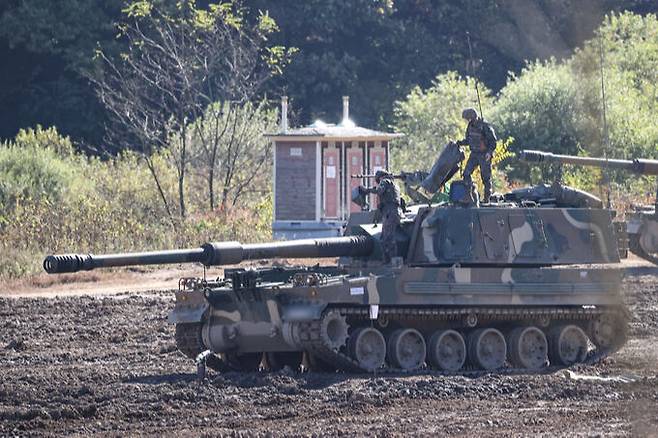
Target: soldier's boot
487, 194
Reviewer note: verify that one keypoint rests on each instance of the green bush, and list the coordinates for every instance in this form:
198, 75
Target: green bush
35, 166
538, 108
558, 106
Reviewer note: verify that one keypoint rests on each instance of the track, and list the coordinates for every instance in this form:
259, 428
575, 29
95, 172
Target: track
316, 345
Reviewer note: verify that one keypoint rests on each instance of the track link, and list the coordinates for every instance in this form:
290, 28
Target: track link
312, 340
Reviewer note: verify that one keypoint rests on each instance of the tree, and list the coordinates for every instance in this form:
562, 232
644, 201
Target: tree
229, 146
558, 106
539, 109
178, 63
46, 45
374, 50
629, 45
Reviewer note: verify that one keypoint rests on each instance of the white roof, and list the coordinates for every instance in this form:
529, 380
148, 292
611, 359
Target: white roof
331, 131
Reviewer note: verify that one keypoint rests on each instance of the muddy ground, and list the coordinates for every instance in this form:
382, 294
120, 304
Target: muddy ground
107, 365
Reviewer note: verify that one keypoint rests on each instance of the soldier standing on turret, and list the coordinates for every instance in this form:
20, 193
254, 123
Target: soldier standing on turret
388, 195
481, 139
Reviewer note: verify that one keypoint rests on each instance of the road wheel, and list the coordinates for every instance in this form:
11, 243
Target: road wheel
528, 348
447, 350
487, 349
567, 345
367, 347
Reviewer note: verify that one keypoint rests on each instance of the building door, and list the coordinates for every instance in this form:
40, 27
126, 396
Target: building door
331, 182
355, 159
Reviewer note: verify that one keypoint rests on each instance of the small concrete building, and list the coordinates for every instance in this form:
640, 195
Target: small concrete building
312, 168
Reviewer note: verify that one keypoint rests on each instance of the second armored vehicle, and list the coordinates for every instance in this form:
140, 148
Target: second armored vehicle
642, 222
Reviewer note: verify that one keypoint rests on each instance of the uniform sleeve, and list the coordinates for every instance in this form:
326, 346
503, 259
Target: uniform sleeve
490, 137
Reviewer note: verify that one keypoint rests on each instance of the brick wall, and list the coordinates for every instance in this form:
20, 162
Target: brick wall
295, 180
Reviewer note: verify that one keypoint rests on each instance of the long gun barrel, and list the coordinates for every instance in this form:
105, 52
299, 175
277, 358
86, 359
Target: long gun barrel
638, 165
216, 254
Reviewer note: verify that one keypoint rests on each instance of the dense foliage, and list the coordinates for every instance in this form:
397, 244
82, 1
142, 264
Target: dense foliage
558, 106
374, 50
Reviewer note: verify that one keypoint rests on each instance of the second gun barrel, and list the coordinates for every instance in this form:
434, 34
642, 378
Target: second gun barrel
638, 165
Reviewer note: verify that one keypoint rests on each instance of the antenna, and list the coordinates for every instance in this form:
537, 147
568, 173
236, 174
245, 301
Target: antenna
606, 138
472, 63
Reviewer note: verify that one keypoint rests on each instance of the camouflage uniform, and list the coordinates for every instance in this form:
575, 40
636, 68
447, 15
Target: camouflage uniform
388, 195
481, 139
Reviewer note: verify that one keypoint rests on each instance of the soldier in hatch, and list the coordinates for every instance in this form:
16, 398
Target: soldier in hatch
388, 195
481, 139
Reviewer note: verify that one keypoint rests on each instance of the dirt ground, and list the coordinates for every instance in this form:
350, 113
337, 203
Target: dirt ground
82, 364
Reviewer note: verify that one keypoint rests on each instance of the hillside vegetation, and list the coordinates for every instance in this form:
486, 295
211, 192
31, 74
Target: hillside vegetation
373, 50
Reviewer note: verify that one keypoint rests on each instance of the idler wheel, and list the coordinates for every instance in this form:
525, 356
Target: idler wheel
277, 360
406, 349
607, 331
528, 348
567, 345
368, 347
249, 362
487, 348
189, 340
447, 350
333, 330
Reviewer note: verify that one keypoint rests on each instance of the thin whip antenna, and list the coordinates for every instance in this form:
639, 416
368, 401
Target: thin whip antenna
606, 138
472, 63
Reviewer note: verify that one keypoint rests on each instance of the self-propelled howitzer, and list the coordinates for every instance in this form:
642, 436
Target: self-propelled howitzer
642, 223
523, 283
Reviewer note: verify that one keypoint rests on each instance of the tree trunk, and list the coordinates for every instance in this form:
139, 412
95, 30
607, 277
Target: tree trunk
181, 172
211, 187
149, 164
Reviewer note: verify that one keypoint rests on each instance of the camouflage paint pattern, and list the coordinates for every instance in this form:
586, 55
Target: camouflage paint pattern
514, 236
642, 224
